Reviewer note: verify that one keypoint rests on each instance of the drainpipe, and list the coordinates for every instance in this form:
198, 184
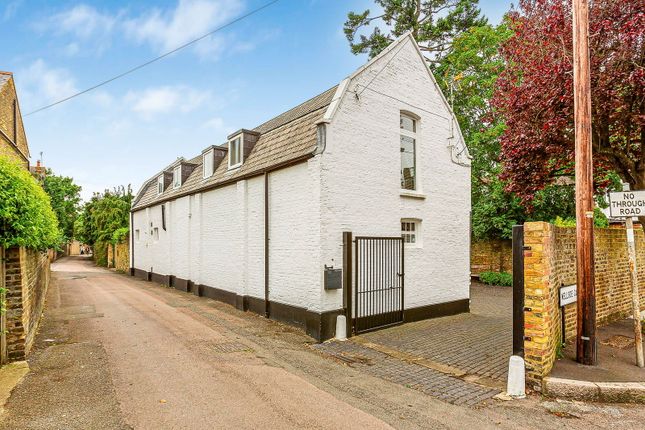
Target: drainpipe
267, 313
131, 243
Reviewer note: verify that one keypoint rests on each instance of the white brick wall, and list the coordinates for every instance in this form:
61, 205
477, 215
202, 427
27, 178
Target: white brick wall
360, 180
216, 238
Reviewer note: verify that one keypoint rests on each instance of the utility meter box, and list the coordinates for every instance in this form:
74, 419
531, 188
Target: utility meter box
333, 278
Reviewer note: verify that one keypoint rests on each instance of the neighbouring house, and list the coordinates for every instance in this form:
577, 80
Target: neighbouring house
262, 222
24, 272
13, 141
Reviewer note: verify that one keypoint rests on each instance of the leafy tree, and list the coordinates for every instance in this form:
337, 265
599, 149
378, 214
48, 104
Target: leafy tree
26, 215
535, 94
433, 23
65, 199
103, 215
468, 74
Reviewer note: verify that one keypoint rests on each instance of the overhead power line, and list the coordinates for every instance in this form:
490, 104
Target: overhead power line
147, 63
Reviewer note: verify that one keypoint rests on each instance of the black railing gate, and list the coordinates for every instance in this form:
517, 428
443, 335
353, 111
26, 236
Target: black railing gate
378, 282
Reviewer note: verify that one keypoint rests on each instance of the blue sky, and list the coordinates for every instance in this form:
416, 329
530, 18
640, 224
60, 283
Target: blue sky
126, 131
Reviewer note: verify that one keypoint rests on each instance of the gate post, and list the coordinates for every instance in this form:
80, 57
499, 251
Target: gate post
518, 290
347, 280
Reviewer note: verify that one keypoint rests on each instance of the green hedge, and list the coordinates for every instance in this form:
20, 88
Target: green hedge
497, 278
26, 215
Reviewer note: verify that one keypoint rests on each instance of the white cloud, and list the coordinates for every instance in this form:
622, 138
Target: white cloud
10, 9
41, 84
166, 30
92, 28
161, 100
83, 21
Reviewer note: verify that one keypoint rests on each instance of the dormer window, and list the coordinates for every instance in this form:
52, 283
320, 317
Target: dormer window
160, 184
208, 164
235, 152
176, 177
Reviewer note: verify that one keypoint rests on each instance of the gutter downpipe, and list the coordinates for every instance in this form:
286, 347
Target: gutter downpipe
131, 243
267, 312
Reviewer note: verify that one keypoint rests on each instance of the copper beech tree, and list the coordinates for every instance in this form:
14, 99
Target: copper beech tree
534, 94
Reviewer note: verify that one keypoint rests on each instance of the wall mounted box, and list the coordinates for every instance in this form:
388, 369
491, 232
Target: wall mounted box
333, 279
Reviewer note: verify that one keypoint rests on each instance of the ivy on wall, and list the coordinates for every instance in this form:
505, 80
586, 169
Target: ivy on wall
26, 215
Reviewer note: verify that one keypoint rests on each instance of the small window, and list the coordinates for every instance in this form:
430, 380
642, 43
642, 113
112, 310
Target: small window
155, 234
408, 152
160, 184
176, 177
136, 234
207, 164
235, 152
410, 232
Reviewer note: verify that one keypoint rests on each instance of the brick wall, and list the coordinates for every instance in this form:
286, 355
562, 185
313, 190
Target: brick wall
491, 255
551, 263
122, 258
27, 277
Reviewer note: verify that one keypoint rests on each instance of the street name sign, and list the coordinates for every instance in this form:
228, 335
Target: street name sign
568, 294
625, 204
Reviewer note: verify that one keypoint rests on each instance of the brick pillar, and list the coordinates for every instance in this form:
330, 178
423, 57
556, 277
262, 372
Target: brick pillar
13, 283
541, 322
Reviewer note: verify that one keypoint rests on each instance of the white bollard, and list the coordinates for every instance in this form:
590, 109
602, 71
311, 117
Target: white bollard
341, 327
515, 386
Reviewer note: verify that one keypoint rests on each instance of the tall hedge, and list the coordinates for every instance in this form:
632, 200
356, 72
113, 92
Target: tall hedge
26, 215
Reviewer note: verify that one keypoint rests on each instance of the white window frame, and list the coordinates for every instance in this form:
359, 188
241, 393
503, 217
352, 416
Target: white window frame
414, 136
208, 155
160, 185
239, 139
411, 232
176, 177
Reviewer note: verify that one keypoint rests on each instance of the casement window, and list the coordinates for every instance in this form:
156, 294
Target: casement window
410, 232
160, 184
207, 163
235, 152
408, 152
176, 177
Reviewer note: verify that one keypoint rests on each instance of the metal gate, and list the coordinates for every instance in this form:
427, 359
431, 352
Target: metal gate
378, 282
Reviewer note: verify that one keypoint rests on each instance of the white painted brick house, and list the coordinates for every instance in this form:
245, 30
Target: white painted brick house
258, 222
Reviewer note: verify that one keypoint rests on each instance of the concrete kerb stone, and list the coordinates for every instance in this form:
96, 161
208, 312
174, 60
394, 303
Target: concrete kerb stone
609, 392
622, 392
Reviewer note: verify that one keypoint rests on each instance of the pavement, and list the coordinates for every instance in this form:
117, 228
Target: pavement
616, 357
114, 352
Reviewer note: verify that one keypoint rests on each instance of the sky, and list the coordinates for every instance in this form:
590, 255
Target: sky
124, 132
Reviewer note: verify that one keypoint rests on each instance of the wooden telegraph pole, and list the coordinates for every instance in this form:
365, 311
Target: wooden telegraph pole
586, 327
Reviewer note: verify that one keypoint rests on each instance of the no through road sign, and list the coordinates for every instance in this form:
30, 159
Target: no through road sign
627, 203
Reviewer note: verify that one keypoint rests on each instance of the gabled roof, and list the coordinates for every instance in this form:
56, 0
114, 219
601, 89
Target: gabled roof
286, 138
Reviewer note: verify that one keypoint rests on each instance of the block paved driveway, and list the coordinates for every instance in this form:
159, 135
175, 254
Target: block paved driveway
461, 359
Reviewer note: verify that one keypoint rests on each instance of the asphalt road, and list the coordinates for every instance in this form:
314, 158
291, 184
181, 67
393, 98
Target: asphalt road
115, 352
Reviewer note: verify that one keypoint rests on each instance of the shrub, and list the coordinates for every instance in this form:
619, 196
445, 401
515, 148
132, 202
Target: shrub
497, 278
599, 220
26, 215
120, 234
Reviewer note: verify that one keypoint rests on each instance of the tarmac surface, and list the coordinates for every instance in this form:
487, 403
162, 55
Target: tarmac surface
114, 352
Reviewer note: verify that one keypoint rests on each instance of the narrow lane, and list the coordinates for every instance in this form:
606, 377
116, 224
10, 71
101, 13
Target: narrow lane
171, 370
